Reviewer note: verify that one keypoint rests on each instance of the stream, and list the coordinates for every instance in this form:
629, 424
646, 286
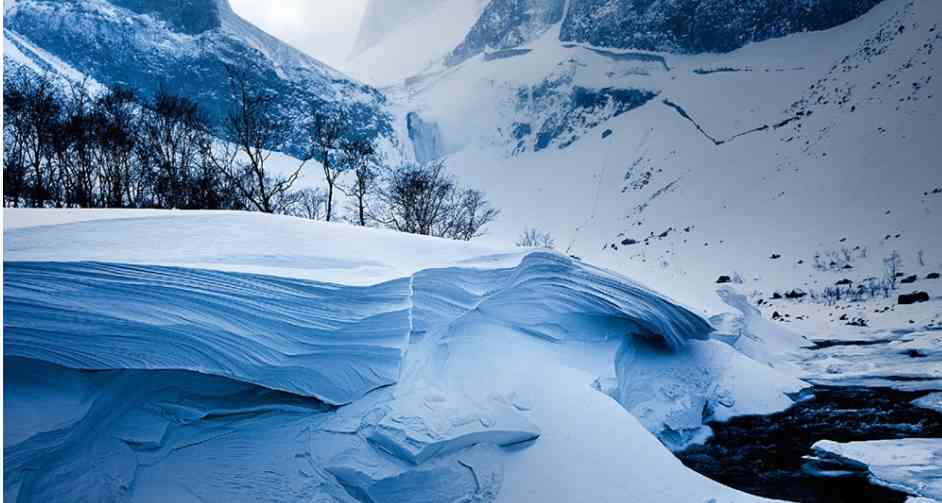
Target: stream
762, 455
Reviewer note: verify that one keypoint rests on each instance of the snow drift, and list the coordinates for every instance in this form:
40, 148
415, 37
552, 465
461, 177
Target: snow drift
202, 355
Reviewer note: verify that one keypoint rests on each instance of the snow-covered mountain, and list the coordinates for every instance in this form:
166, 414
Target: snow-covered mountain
679, 168
186, 47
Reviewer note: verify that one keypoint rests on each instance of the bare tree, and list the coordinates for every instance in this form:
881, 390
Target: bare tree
16, 131
358, 156
174, 135
254, 126
116, 128
471, 213
326, 142
532, 237
891, 267
75, 145
427, 200
37, 117
307, 203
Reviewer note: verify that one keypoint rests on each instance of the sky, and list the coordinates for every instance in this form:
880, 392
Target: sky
325, 29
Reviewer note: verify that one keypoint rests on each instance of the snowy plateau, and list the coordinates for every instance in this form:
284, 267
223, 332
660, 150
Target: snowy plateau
712, 171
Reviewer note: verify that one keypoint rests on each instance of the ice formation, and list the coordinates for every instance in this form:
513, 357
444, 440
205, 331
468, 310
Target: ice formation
910, 465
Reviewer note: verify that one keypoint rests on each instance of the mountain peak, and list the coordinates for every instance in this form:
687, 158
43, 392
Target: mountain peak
185, 16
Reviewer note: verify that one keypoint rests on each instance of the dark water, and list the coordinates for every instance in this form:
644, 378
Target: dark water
763, 454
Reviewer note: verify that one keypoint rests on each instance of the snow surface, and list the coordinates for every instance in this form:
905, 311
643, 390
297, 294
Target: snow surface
194, 319
911, 465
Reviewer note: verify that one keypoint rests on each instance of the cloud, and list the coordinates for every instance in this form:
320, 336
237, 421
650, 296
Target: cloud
325, 29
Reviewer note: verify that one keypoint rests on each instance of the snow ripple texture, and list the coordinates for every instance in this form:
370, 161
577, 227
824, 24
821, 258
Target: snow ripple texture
331, 342
325, 340
243, 357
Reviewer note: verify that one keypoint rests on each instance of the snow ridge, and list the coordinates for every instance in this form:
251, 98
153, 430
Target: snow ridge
330, 341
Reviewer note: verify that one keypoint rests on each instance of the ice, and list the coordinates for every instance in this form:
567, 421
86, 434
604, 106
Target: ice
932, 401
911, 465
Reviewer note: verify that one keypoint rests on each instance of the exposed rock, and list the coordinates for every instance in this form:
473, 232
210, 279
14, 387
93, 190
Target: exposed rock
913, 298
700, 25
505, 24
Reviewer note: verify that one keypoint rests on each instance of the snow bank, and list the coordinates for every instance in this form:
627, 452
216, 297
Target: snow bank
108, 297
332, 342
460, 373
932, 401
675, 394
910, 465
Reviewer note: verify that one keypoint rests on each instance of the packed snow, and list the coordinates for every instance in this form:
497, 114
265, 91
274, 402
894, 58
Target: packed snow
912, 465
283, 367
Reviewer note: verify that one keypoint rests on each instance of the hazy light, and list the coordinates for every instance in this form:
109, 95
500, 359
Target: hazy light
325, 29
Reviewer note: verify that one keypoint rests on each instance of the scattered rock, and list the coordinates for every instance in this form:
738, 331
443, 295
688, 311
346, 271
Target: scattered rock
932, 275
913, 298
775, 256
606, 133
628, 242
795, 294
724, 279
844, 281
858, 322
909, 279
776, 296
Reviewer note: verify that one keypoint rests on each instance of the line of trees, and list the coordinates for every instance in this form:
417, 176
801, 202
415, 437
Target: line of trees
68, 147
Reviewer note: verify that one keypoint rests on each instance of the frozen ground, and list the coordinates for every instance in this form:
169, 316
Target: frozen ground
188, 355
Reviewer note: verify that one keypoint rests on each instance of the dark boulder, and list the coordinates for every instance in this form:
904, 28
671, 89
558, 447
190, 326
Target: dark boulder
913, 298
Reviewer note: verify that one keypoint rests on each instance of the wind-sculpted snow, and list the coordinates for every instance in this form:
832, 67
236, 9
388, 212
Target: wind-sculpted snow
138, 371
558, 298
331, 342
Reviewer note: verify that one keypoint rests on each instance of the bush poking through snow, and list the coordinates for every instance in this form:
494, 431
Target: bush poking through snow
532, 237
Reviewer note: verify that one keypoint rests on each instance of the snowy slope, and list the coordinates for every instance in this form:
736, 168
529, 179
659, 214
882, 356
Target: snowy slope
678, 169
237, 313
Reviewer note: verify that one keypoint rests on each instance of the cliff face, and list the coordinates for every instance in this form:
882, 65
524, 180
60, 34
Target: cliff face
508, 23
694, 26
